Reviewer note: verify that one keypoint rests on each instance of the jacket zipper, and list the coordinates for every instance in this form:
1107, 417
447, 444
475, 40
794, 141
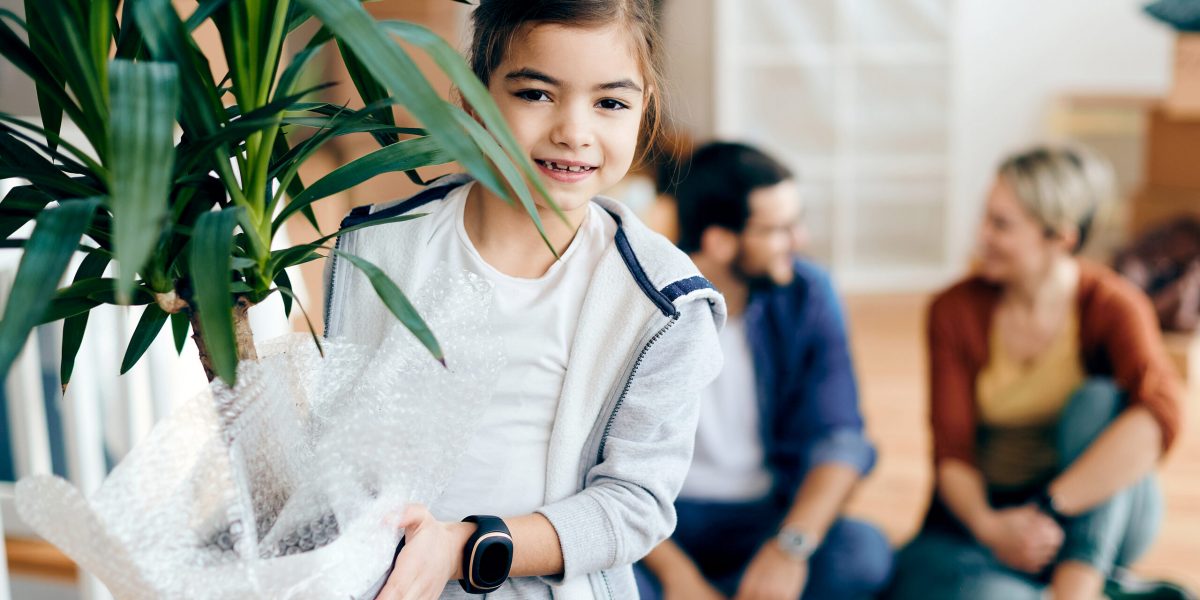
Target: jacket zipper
617, 408
337, 245
629, 383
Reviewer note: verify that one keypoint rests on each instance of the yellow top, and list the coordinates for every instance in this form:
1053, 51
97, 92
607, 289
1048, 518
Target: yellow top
1019, 407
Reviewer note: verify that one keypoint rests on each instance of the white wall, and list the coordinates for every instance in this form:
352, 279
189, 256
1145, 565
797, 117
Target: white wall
1015, 57
1012, 59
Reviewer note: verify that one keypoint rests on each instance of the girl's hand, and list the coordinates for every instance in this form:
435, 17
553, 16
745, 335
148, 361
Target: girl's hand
1022, 537
432, 556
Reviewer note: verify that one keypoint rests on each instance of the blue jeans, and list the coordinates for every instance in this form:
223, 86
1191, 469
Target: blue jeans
945, 564
853, 561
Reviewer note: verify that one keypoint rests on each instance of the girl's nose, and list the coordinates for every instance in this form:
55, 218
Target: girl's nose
572, 129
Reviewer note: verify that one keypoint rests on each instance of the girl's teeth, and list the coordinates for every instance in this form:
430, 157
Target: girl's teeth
569, 169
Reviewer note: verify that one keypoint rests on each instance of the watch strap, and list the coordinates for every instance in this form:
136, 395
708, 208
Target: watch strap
487, 556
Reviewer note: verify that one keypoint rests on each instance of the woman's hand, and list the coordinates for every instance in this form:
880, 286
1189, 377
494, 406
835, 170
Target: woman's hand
432, 556
689, 584
1021, 537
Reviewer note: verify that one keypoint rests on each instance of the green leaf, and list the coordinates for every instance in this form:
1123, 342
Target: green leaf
54, 240
93, 266
145, 96
148, 326
369, 90
391, 66
18, 159
283, 281
209, 263
179, 329
474, 92
74, 327
506, 167
20, 206
41, 45
401, 156
396, 302
290, 297
14, 50
290, 257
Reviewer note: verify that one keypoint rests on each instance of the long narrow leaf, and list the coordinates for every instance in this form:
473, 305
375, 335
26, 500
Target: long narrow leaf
145, 96
209, 263
396, 302
389, 64
54, 240
179, 330
93, 265
291, 297
16, 52
290, 257
401, 156
473, 91
148, 326
369, 90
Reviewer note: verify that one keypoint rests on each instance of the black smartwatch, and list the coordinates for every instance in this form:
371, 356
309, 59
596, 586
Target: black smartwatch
488, 555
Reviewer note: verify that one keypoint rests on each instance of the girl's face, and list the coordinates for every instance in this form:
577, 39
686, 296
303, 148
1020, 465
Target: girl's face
574, 98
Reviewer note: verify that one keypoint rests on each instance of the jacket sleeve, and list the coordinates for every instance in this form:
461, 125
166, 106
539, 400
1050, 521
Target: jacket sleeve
951, 387
830, 390
1140, 363
627, 504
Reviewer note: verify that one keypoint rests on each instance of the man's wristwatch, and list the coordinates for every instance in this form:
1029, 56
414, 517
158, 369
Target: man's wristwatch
488, 555
797, 544
1045, 502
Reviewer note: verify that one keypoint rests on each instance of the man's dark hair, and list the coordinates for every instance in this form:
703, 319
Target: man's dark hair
716, 187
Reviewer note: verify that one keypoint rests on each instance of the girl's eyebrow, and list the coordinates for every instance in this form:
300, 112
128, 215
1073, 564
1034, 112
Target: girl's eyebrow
535, 75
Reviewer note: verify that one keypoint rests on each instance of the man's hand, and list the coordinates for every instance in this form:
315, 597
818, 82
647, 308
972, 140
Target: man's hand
432, 556
1022, 537
773, 575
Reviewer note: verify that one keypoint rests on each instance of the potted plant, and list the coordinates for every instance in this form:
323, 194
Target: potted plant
182, 186
188, 220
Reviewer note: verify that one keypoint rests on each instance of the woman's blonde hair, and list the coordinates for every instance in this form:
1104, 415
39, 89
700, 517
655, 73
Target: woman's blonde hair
1063, 186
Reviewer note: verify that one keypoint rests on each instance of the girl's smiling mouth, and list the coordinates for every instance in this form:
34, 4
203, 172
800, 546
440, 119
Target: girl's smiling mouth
566, 171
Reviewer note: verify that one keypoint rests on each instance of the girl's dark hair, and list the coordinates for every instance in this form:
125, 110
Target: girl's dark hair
715, 189
496, 23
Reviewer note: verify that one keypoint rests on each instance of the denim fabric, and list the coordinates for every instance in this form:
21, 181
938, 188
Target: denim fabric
944, 563
854, 559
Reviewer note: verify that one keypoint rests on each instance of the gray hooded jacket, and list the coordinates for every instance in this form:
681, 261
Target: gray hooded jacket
645, 346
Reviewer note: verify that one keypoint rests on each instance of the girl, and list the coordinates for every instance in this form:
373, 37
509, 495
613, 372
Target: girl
588, 435
1052, 400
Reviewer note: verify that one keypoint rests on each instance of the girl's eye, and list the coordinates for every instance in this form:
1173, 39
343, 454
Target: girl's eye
532, 95
610, 104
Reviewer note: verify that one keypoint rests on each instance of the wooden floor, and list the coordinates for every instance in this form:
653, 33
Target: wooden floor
887, 335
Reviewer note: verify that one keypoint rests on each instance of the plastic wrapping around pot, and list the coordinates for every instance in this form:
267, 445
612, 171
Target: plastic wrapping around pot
283, 487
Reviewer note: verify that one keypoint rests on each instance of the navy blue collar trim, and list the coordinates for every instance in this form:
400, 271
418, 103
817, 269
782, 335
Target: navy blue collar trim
363, 214
663, 299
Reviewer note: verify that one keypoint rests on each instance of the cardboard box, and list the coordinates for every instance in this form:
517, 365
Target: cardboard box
1184, 99
1184, 350
1154, 205
1172, 151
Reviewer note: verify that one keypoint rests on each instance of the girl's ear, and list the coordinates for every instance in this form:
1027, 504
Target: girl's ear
467, 108
719, 243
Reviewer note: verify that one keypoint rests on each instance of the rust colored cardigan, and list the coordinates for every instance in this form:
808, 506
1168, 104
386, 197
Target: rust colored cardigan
1119, 338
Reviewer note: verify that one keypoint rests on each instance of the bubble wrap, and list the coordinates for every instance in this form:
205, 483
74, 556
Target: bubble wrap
283, 487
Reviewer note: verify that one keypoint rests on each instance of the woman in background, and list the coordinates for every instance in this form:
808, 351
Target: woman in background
1052, 401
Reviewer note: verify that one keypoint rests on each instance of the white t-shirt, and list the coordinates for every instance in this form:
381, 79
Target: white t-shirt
728, 464
504, 470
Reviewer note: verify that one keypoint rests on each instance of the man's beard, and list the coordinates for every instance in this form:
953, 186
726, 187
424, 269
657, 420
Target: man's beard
754, 281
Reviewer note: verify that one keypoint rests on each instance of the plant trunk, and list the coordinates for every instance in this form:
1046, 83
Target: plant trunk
243, 337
